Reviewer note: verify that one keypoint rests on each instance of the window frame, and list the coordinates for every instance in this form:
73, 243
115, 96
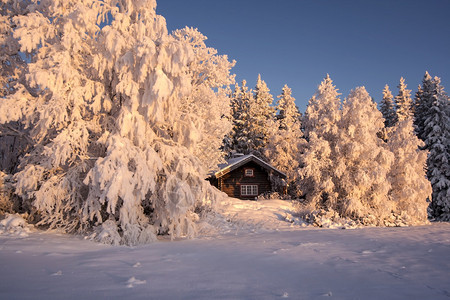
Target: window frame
252, 188
249, 169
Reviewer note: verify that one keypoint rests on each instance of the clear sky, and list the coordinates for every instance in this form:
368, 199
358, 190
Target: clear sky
297, 42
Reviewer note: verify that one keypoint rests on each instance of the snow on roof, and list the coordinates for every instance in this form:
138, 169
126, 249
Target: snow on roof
236, 162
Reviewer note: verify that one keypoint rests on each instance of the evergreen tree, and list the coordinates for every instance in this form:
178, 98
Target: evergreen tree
423, 102
261, 114
403, 102
252, 117
416, 100
361, 162
409, 186
350, 171
288, 113
387, 107
437, 133
323, 111
242, 136
320, 122
264, 99
235, 110
286, 142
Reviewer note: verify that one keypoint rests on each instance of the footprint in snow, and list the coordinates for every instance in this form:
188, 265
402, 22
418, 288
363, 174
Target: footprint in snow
133, 281
59, 273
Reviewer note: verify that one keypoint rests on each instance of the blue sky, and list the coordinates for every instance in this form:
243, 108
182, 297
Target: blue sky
297, 42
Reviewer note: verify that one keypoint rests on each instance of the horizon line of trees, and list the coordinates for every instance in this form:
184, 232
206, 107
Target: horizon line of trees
336, 143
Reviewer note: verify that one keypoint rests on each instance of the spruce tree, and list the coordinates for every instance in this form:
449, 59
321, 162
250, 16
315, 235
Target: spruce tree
242, 141
416, 100
437, 134
286, 143
262, 115
387, 107
288, 113
320, 122
423, 102
252, 117
323, 111
361, 162
403, 101
407, 177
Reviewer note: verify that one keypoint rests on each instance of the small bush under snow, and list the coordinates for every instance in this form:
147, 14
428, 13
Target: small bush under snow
14, 224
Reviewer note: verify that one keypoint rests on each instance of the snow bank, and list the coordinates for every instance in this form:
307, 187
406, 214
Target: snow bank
15, 225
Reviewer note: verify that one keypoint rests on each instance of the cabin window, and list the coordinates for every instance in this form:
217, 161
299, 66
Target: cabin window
249, 190
248, 173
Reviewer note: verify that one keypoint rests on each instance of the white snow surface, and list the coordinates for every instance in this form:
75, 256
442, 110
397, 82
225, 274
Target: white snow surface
249, 250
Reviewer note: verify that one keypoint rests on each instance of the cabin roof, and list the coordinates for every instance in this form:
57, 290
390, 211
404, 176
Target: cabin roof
234, 163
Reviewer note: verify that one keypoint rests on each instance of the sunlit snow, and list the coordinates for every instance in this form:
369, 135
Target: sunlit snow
269, 256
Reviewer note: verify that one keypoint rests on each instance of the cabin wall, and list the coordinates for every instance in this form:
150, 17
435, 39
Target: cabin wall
231, 183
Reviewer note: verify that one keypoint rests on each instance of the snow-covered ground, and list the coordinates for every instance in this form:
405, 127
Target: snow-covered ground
244, 258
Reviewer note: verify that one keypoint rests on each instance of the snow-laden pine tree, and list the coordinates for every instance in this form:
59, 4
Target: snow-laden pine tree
286, 142
425, 96
323, 111
228, 143
252, 116
403, 102
115, 141
361, 162
321, 127
262, 115
387, 107
241, 136
416, 100
409, 185
437, 133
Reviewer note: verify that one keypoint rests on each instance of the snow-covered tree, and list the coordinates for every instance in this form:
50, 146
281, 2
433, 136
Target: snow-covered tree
208, 106
424, 98
323, 111
409, 185
361, 162
13, 66
387, 107
115, 139
288, 113
13, 140
403, 101
252, 116
261, 116
416, 100
241, 136
354, 174
286, 143
320, 122
437, 133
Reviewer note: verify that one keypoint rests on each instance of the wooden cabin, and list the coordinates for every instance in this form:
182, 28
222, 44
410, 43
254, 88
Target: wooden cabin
248, 176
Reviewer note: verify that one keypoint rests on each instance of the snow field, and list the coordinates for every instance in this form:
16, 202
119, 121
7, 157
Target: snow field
249, 259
